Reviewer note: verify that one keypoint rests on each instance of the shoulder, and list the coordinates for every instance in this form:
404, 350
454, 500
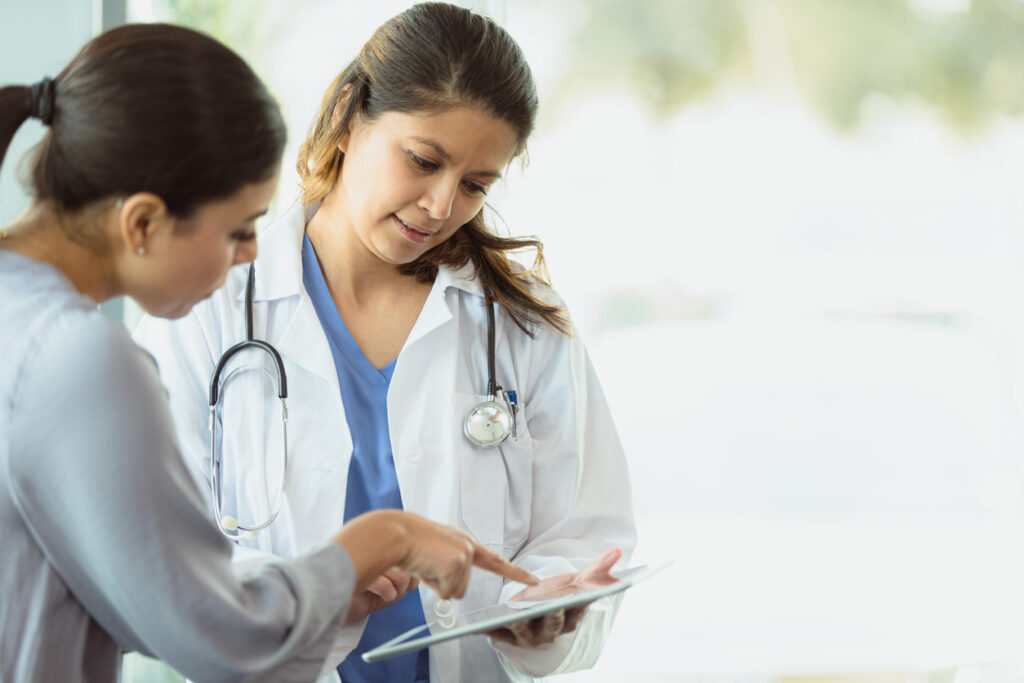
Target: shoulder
83, 369
93, 345
545, 295
466, 279
58, 327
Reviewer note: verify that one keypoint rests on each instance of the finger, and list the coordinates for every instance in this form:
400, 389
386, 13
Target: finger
503, 635
522, 632
374, 602
400, 580
492, 562
551, 626
462, 582
383, 587
434, 586
573, 617
603, 564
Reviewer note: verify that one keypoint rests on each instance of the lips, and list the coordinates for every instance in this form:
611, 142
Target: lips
414, 233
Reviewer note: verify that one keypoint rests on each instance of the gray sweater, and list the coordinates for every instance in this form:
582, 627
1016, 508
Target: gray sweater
105, 542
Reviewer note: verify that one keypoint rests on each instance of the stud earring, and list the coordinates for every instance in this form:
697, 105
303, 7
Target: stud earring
141, 251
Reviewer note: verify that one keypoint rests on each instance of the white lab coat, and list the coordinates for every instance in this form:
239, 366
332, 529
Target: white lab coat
551, 499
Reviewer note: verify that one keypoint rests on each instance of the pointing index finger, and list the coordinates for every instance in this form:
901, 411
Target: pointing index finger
492, 562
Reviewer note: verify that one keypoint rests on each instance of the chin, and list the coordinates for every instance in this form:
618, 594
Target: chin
179, 313
401, 257
167, 311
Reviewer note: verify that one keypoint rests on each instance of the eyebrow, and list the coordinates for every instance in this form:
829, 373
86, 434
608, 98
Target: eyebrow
447, 157
255, 216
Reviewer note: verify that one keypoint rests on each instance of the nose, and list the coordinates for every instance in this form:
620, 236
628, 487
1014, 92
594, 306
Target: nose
439, 197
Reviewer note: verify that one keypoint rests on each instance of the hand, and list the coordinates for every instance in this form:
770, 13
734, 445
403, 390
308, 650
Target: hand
438, 555
442, 556
386, 590
544, 629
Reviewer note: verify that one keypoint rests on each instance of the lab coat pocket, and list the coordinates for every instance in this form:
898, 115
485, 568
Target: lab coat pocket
496, 483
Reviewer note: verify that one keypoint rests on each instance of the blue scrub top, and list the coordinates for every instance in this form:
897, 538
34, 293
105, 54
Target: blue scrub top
372, 481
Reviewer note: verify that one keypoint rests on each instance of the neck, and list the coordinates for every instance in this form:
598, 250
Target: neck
41, 235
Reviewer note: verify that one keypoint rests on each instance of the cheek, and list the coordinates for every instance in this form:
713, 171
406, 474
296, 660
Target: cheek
209, 262
465, 209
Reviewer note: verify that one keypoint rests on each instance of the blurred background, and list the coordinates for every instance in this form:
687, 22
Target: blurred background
791, 233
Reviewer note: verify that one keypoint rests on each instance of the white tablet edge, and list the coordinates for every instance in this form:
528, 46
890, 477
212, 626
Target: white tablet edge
399, 646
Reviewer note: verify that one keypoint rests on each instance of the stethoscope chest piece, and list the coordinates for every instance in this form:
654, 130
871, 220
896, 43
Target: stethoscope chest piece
488, 423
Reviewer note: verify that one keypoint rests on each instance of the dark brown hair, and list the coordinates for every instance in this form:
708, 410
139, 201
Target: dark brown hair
431, 58
150, 108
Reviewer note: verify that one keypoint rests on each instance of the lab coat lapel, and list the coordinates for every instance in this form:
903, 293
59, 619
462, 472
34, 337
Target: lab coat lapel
291, 323
437, 309
302, 341
279, 263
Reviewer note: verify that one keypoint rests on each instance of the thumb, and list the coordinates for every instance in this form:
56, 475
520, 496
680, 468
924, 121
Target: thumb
604, 564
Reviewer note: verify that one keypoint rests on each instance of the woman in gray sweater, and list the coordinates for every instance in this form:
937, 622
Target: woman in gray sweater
162, 150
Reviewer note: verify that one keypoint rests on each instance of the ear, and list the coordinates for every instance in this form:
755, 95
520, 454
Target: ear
336, 117
140, 218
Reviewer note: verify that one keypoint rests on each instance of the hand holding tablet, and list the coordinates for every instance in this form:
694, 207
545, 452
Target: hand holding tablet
545, 628
568, 594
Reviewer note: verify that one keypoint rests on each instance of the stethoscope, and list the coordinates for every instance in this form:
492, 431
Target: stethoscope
487, 424
230, 526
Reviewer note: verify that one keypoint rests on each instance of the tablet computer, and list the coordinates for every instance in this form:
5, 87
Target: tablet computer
490, 618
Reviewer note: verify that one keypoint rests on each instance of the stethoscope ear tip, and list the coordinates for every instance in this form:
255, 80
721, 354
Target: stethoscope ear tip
228, 523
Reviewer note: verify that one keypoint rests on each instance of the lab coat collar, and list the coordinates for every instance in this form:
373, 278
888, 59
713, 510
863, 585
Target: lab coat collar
463, 278
279, 263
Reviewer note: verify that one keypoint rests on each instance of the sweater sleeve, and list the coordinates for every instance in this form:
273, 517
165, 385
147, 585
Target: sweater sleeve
96, 474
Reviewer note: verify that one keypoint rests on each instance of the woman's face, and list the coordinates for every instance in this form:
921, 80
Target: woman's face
409, 181
187, 260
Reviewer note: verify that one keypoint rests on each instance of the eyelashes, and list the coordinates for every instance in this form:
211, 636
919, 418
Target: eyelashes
244, 234
423, 164
428, 166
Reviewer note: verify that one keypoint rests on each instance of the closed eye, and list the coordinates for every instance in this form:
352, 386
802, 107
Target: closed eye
245, 234
421, 163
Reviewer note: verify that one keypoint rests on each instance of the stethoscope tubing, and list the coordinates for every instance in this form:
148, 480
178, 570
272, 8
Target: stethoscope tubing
490, 411
230, 526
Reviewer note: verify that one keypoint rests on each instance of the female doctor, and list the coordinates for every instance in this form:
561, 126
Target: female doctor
376, 289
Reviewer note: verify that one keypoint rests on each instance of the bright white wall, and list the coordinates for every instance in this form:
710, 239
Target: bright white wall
36, 39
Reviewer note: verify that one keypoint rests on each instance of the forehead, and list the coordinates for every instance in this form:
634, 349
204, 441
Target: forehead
467, 134
249, 200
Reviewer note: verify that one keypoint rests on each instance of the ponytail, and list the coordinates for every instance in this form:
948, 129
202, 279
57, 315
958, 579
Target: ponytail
15, 109
148, 108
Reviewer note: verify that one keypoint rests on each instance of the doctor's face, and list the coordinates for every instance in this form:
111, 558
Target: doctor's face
187, 260
409, 181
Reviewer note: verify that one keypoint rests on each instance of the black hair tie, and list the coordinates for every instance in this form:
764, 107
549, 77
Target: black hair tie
43, 94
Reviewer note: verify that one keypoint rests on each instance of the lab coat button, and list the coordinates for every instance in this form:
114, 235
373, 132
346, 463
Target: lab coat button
447, 622
443, 608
